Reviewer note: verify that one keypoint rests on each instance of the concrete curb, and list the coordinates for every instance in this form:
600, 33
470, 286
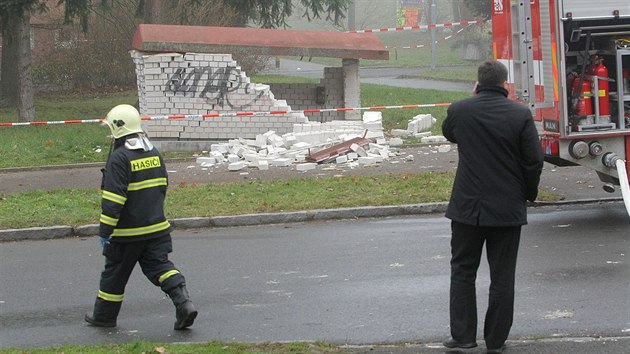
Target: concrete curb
44, 233
53, 232
36, 233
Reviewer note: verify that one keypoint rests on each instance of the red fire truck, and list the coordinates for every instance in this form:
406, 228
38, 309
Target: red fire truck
569, 61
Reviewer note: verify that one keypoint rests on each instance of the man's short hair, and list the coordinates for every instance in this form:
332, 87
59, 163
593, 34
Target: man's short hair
492, 73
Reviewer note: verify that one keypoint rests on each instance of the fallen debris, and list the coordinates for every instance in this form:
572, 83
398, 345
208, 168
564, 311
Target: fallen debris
334, 151
306, 166
345, 143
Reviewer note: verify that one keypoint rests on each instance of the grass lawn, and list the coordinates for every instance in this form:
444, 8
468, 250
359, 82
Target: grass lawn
39, 208
79, 143
65, 143
404, 52
214, 347
76, 143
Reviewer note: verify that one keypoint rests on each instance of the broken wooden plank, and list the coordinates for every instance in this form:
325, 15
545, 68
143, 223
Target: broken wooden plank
336, 150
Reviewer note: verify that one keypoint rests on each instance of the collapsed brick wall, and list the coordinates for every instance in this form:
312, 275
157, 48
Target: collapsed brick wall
198, 83
301, 96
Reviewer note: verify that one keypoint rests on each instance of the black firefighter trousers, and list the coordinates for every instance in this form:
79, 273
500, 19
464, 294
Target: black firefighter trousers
466, 249
121, 258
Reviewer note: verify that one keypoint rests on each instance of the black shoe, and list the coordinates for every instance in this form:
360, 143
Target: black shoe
452, 343
496, 351
99, 323
185, 316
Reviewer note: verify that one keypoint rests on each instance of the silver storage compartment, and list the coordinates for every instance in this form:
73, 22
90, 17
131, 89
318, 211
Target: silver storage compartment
595, 9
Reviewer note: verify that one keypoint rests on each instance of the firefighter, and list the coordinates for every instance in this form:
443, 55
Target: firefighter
133, 228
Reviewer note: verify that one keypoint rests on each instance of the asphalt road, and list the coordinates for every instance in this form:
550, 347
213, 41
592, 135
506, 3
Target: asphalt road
348, 282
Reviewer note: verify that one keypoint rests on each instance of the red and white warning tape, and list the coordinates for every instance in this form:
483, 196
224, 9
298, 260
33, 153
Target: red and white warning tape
411, 28
437, 41
52, 122
232, 114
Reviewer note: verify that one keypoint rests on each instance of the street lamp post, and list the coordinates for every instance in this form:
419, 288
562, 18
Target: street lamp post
352, 15
433, 32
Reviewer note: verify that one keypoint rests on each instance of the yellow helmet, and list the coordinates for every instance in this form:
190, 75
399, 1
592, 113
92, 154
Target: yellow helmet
123, 120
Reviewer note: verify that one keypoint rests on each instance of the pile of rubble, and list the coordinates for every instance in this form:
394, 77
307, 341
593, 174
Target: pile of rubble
347, 143
417, 128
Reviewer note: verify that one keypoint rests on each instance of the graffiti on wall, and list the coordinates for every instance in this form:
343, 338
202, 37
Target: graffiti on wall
214, 85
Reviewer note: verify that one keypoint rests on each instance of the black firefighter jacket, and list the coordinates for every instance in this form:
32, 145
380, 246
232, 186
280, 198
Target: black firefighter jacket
134, 187
500, 159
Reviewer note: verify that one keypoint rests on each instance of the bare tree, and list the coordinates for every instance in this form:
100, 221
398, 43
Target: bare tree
16, 85
9, 93
26, 104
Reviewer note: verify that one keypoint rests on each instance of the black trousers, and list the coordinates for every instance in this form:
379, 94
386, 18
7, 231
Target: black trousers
466, 249
152, 255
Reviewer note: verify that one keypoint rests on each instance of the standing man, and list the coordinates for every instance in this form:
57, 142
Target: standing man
133, 228
500, 162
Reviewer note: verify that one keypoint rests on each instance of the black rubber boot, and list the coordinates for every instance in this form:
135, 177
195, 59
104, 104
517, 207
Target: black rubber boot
185, 312
105, 313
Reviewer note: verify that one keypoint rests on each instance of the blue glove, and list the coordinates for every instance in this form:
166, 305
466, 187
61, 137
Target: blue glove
104, 240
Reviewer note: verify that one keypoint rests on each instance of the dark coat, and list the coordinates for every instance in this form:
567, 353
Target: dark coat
500, 159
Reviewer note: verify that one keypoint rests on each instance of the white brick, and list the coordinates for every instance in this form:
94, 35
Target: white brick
420, 122
306, 166
281, 162
433, 139
372, 116
236, 166
341, 159
359, 150
373, 126
251, 157
218, 156
364, 160
232, 158
376, 157
395, 142
289, 140
263, 164
153, 71
205, 160
374, 147
400, 132
276, 141
422, 135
